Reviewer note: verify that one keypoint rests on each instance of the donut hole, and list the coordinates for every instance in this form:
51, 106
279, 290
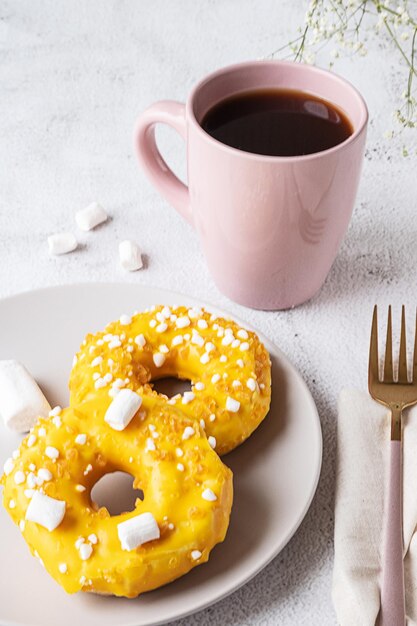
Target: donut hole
170, 386
115, 492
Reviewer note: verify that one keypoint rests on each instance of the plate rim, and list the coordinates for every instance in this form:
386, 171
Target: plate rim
318, 447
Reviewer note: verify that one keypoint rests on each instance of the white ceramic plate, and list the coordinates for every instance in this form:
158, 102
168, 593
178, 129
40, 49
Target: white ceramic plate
275, 472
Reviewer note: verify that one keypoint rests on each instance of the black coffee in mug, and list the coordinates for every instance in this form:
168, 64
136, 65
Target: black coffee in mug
277, 122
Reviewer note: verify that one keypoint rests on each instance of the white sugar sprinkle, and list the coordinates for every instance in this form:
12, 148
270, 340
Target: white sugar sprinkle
158, 359
51, 452
79, 542
236, 384
164, 349
209, 347
57, 421
182, 322
19, 477
195, 555
125, 320
227, 340
223, 358
209, 495
199, 386
108, 377
235, 343
205, 358
55, 411
31, 440
202, 423
178, 339
92, 538
161, 328
180, 467
212, 417
232, 405
44, 474
41, 432
140, 340
12, 504
63, 568
187, 397
251, 384
244, 346
215, 378
242, 334
179, 452
22, 525
197, 339
81, 439
79, 488
96, 376
86, 550
97, 361
152, 323
150, 446
188, 432
240, 363
212, 441
202, 324
115, 343
31, 480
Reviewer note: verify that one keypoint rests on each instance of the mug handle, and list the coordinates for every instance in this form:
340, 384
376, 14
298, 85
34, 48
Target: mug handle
171, 113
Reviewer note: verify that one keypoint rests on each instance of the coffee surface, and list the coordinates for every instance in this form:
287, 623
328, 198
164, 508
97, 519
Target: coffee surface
277, 122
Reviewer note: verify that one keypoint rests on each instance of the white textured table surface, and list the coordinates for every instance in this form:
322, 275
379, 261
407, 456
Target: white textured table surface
73, 77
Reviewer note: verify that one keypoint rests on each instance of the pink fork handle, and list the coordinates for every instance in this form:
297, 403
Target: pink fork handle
164, 179
392, 592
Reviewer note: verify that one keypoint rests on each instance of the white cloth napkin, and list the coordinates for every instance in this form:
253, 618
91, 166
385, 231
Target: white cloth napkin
361, 483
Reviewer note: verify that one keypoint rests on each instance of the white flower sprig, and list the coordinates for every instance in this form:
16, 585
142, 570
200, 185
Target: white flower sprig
348, 23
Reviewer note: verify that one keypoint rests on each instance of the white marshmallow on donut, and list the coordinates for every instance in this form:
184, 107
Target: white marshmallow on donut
45, 511
21, 400
123, 408
138, 530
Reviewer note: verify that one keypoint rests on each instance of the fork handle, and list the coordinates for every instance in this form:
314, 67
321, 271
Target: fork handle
392, 592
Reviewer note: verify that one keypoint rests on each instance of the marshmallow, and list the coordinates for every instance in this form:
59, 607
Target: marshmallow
45, 511
123, 408
232, 405
21, 400
62, 243
130, 256
209, 495
137, 530
90, 217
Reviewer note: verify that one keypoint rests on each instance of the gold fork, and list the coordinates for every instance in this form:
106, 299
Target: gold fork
396, 395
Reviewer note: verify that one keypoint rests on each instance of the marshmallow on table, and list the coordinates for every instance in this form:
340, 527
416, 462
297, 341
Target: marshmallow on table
123, 408
130, 256
21, 400
137, 530
45, 511
90, 217
62, 243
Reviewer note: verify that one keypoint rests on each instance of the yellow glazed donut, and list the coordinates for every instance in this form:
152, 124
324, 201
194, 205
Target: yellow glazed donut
187, 492
228, 366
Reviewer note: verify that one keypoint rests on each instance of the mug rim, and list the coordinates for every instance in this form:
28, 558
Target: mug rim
264, 157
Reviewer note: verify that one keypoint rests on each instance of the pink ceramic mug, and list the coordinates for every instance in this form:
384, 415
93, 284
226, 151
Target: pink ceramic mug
270, 227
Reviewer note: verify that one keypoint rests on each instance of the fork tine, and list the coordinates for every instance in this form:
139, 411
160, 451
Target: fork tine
402, 363
415, 355
373, 373
388, 370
